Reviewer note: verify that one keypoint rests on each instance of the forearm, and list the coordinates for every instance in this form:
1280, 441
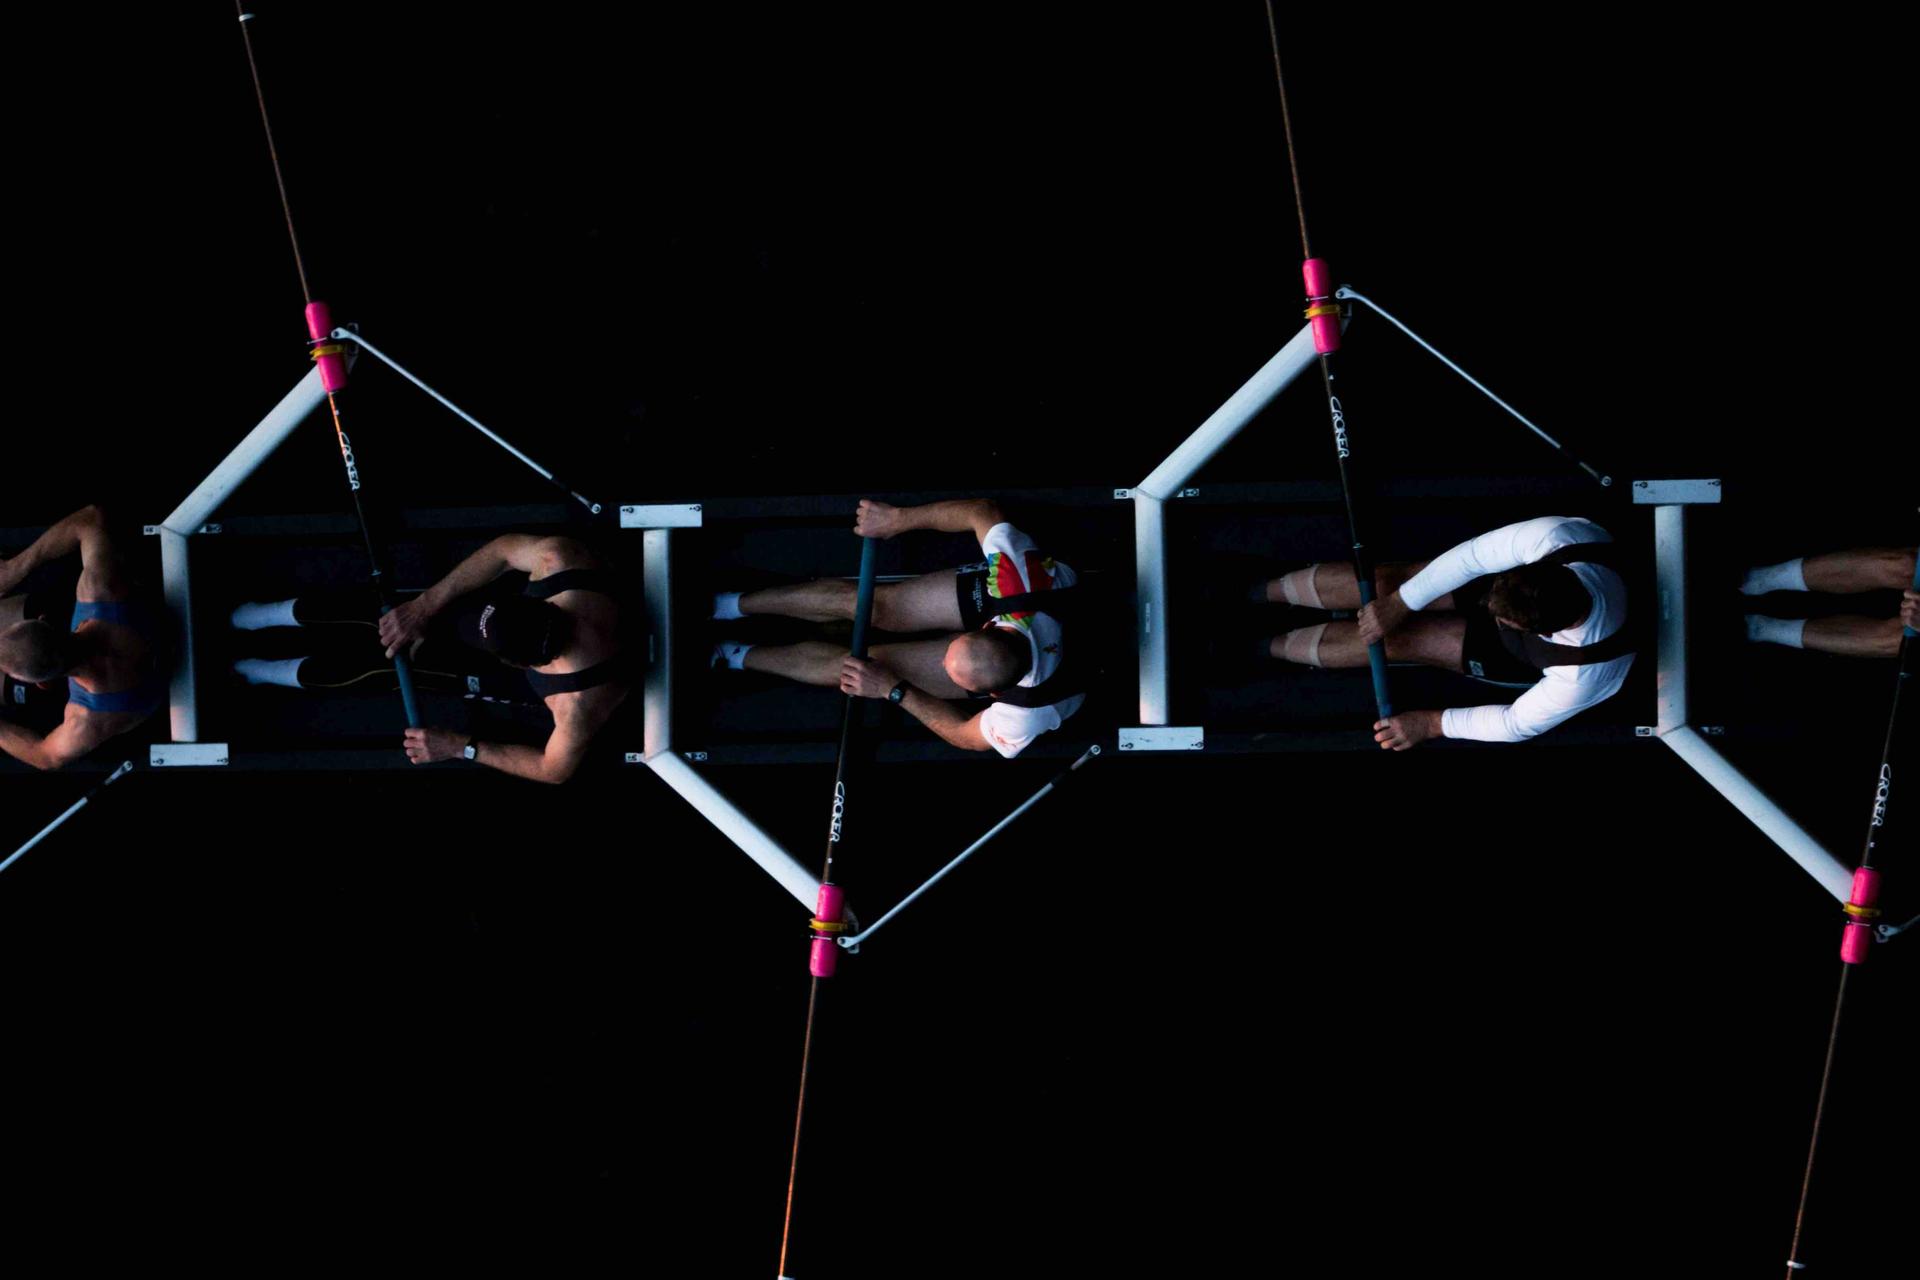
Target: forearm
471, 574
961, 515
513, 758
945, 719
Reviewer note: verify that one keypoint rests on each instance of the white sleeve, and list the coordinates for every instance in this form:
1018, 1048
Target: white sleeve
1005, 540
1009, 729
1505, 548
1559, 694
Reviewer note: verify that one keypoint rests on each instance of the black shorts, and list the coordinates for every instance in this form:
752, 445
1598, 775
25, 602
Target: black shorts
1483, 655
970, 587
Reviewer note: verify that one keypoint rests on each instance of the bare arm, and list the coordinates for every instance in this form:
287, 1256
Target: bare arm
556, 762
953, 726
78, 734
969, 515
865, 678
84, 531
526, 553
522, 552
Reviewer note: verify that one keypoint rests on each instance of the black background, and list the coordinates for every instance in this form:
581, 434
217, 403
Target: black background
1527, 1011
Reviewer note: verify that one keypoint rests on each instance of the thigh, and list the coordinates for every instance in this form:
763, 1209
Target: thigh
921, 662
930, 602
1435, 639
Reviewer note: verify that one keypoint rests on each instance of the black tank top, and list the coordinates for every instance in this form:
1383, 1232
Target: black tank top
601, 582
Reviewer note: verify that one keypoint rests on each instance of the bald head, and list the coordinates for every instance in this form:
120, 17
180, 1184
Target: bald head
985, 661
33, 651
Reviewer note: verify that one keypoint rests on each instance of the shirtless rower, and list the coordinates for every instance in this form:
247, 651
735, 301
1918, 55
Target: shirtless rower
561, 633
113, 651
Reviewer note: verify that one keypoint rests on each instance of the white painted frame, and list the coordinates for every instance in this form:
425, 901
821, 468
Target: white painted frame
1149, 514
1670, 547
657, 753
183, 702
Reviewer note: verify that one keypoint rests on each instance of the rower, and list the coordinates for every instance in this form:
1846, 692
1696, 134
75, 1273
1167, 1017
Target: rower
113, 653
1005, 643
1540, 604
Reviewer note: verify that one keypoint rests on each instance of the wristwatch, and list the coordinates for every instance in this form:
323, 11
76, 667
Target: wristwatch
898, 691
472, 750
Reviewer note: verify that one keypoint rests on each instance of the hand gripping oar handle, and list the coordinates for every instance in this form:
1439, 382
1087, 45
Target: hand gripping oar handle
403, 669
1907, 632
1376, 657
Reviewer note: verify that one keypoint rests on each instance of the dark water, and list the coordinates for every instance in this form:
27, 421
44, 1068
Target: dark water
1526, 1011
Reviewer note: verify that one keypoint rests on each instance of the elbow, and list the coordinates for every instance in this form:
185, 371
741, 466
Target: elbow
1523, 732
553, 773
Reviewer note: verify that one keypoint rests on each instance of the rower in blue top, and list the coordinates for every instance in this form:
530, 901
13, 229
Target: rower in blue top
114, 655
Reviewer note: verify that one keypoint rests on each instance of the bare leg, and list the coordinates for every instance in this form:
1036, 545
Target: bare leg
809, 662
1853, 637
816, 662
822, 600
1863, 569
1334, 587
925, 603
1436, 640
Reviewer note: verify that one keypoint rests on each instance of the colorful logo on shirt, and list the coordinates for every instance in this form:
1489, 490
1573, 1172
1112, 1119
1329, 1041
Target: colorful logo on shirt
1004, 580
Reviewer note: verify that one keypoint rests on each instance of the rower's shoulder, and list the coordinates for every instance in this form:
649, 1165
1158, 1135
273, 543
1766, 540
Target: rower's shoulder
557, 553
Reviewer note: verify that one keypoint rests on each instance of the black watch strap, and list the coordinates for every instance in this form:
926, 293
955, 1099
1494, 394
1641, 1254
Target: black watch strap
899, 692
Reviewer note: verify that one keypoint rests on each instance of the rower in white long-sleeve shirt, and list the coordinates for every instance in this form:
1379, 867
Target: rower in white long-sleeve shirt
1538, 603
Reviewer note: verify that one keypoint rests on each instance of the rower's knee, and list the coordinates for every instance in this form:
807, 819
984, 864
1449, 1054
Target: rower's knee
1895, 567
1301, 645
889, 613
